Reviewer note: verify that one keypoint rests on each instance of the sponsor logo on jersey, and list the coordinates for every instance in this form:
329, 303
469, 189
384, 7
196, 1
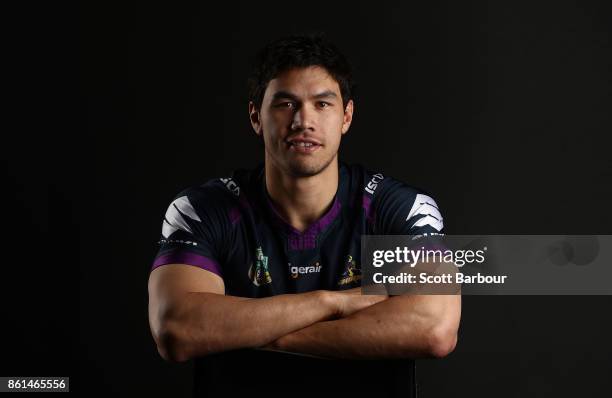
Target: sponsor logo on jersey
181, 241
352, 272
231, 185
373, 183
297, 271
259, 273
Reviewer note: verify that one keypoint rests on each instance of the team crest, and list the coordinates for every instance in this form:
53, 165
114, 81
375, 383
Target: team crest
259, 274
352, 272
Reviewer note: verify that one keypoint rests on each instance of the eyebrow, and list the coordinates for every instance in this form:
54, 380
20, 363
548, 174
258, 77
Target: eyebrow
287, 95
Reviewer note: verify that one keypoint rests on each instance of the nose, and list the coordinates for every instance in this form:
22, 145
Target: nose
303, 119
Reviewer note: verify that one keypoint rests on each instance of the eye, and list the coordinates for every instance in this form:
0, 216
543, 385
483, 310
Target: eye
324, 104
287, 104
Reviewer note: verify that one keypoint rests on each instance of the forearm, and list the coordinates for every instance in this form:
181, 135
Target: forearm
204, 323
400, 327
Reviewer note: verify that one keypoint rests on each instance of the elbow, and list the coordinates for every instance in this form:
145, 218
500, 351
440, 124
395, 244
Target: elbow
442, 341
169, 344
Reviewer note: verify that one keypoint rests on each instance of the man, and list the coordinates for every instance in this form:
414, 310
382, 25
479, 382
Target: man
269, 258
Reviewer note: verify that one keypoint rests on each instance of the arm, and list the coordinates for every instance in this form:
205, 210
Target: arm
190, 316
410, 326
404, 326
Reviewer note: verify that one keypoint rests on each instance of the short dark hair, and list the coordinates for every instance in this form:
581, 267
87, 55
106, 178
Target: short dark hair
299, 51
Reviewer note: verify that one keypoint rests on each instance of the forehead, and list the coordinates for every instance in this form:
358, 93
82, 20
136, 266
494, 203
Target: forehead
304, 82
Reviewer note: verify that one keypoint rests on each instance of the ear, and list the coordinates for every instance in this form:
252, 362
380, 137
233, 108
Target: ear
255, 118
348, 116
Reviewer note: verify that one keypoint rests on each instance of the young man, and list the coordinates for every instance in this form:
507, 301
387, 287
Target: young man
270, 258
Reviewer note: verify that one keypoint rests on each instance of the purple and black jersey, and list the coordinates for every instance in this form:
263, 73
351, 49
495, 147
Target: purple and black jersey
229, 226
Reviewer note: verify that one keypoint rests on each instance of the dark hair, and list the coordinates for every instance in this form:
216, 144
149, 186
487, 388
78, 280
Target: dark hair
299, 52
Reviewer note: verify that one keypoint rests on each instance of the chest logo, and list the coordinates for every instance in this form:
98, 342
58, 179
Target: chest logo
297, 271
259, 273
352, 272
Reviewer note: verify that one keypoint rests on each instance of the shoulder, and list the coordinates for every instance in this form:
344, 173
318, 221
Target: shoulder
378, 184
217, 192
218, 199
221, 192
394, 205
214, 198
193, 207
392, 187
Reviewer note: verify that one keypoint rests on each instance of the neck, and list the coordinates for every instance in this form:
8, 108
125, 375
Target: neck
302, 200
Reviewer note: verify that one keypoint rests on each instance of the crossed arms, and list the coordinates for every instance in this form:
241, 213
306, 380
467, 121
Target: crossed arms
190, 316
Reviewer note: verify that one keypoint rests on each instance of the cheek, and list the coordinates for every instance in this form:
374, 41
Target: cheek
339, 120
267, 127
335, 128
333, 140
274, 122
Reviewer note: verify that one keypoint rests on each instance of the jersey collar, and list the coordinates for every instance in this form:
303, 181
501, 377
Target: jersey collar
307, 239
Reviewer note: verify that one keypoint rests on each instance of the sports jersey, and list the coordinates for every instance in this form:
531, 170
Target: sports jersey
230, 226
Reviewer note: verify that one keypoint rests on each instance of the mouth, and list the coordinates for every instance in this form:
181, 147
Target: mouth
303, 145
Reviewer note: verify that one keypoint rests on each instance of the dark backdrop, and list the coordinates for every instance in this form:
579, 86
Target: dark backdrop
501, 110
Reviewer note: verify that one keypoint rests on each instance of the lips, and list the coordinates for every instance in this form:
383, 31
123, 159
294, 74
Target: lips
302, 139
303, 144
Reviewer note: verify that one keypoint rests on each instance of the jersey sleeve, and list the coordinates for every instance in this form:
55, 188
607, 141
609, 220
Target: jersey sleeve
192, 231
402, 210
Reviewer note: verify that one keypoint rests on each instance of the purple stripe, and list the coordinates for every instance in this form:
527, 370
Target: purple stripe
306, 240
234, 215
188, 258
367, 204
302, 242
328, 218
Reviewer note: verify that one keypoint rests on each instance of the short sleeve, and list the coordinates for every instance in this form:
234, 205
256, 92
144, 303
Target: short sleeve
191, 232
404, 210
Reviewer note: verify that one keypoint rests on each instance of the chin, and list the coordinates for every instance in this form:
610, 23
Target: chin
308, 169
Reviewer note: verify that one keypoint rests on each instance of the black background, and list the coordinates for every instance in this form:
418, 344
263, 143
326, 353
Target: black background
501, 110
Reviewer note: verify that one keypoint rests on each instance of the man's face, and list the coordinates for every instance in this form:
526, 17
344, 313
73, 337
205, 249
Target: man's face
302, 119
